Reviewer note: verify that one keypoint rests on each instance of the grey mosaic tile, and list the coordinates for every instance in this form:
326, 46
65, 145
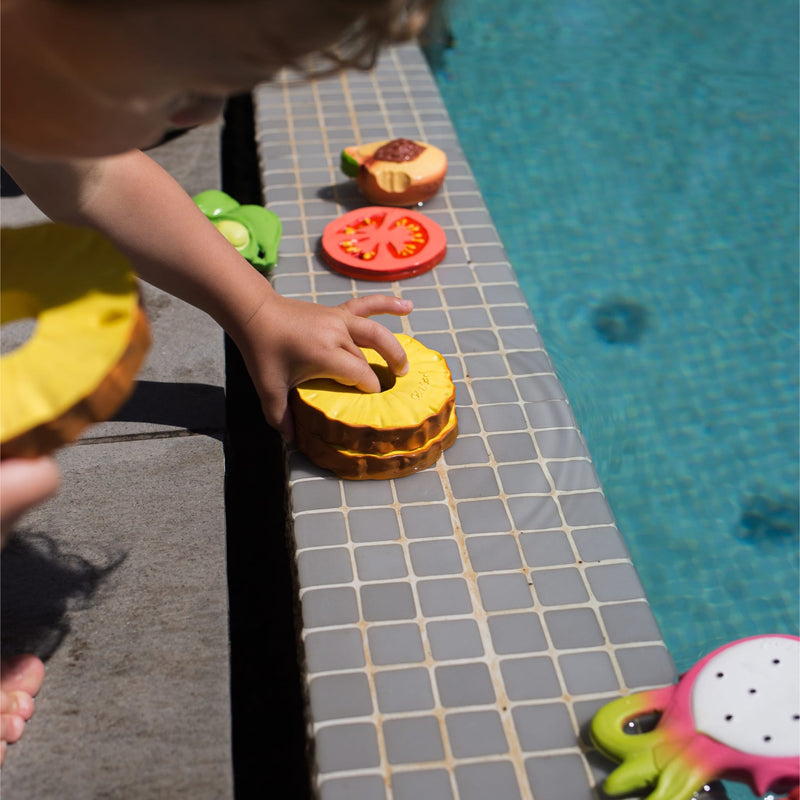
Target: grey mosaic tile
525, 478
559, 587
492, 553
504, 592
483, 516
421, 783
534, 513
325, 607
404, 690
502, 417
454, 639
413, 740
517, 633
373, 525
467, 450
600, 544
561, 444
588, 672
513, 447
530, 678
557, 777
476, 733
543, 727
395, 644
420, 487
439, 557
356, 787
347, 747
464, 685
615, 582
380, 562
339, 696
489, 779
645, 666
572, 475
387, 601
319, 567
428, 521
320, 530
573, 628
371, 493
446, 597
627, 623
546, 548
473, 482
334, 650
589, 508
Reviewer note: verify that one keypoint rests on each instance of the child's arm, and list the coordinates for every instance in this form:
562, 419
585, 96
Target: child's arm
172, 245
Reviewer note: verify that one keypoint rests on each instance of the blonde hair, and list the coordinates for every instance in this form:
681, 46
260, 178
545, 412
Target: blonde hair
378, 23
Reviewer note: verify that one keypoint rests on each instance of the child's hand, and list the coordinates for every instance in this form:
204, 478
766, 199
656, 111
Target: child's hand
290, 341
24, 483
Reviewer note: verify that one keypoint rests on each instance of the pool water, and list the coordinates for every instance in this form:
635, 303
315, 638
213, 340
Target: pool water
640, 163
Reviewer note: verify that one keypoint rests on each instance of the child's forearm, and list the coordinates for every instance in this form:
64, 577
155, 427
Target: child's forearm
149, 216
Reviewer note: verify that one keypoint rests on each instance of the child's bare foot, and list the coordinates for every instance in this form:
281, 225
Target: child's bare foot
20, 680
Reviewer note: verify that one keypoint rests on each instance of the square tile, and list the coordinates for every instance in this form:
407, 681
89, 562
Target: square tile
347, 747
400, 690
387, 601
476, 733
546, 548
464, 685
413, 740
373, 525
424, 522
491, 553
572, 628
424, 783
438, 557
504, 592
530, 678
453, 639
446, 597
354, 787
590, 672
481, 780
380, 562
559, 587
325, 607
527, 478
345, 694
544, 727
334, 650
517, 633
395, 644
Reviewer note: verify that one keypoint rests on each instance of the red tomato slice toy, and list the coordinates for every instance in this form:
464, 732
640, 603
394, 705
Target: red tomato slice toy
381, 243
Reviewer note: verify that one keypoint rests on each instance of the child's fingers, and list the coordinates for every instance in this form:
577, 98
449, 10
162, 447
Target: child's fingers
24, 483
372, 304
367, 333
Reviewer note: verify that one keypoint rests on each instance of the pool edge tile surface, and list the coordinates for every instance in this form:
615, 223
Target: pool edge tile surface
446, 611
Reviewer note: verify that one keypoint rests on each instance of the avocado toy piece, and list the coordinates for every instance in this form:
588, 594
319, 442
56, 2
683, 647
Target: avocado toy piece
396, 172
253, 230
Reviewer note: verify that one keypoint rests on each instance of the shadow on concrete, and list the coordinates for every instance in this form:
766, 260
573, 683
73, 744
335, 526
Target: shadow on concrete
196, 407
41, 583
270, 748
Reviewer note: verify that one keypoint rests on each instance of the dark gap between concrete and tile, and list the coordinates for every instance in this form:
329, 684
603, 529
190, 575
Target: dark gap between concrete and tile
269, 733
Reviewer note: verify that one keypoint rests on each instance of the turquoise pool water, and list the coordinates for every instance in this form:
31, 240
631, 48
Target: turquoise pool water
640, 163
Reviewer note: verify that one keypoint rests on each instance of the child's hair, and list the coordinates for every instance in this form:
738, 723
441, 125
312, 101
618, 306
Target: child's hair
377, 24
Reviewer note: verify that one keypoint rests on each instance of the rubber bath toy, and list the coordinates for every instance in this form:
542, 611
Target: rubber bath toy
734, 716
383, 244
396, 172
388, 434
90, 336
253, 230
